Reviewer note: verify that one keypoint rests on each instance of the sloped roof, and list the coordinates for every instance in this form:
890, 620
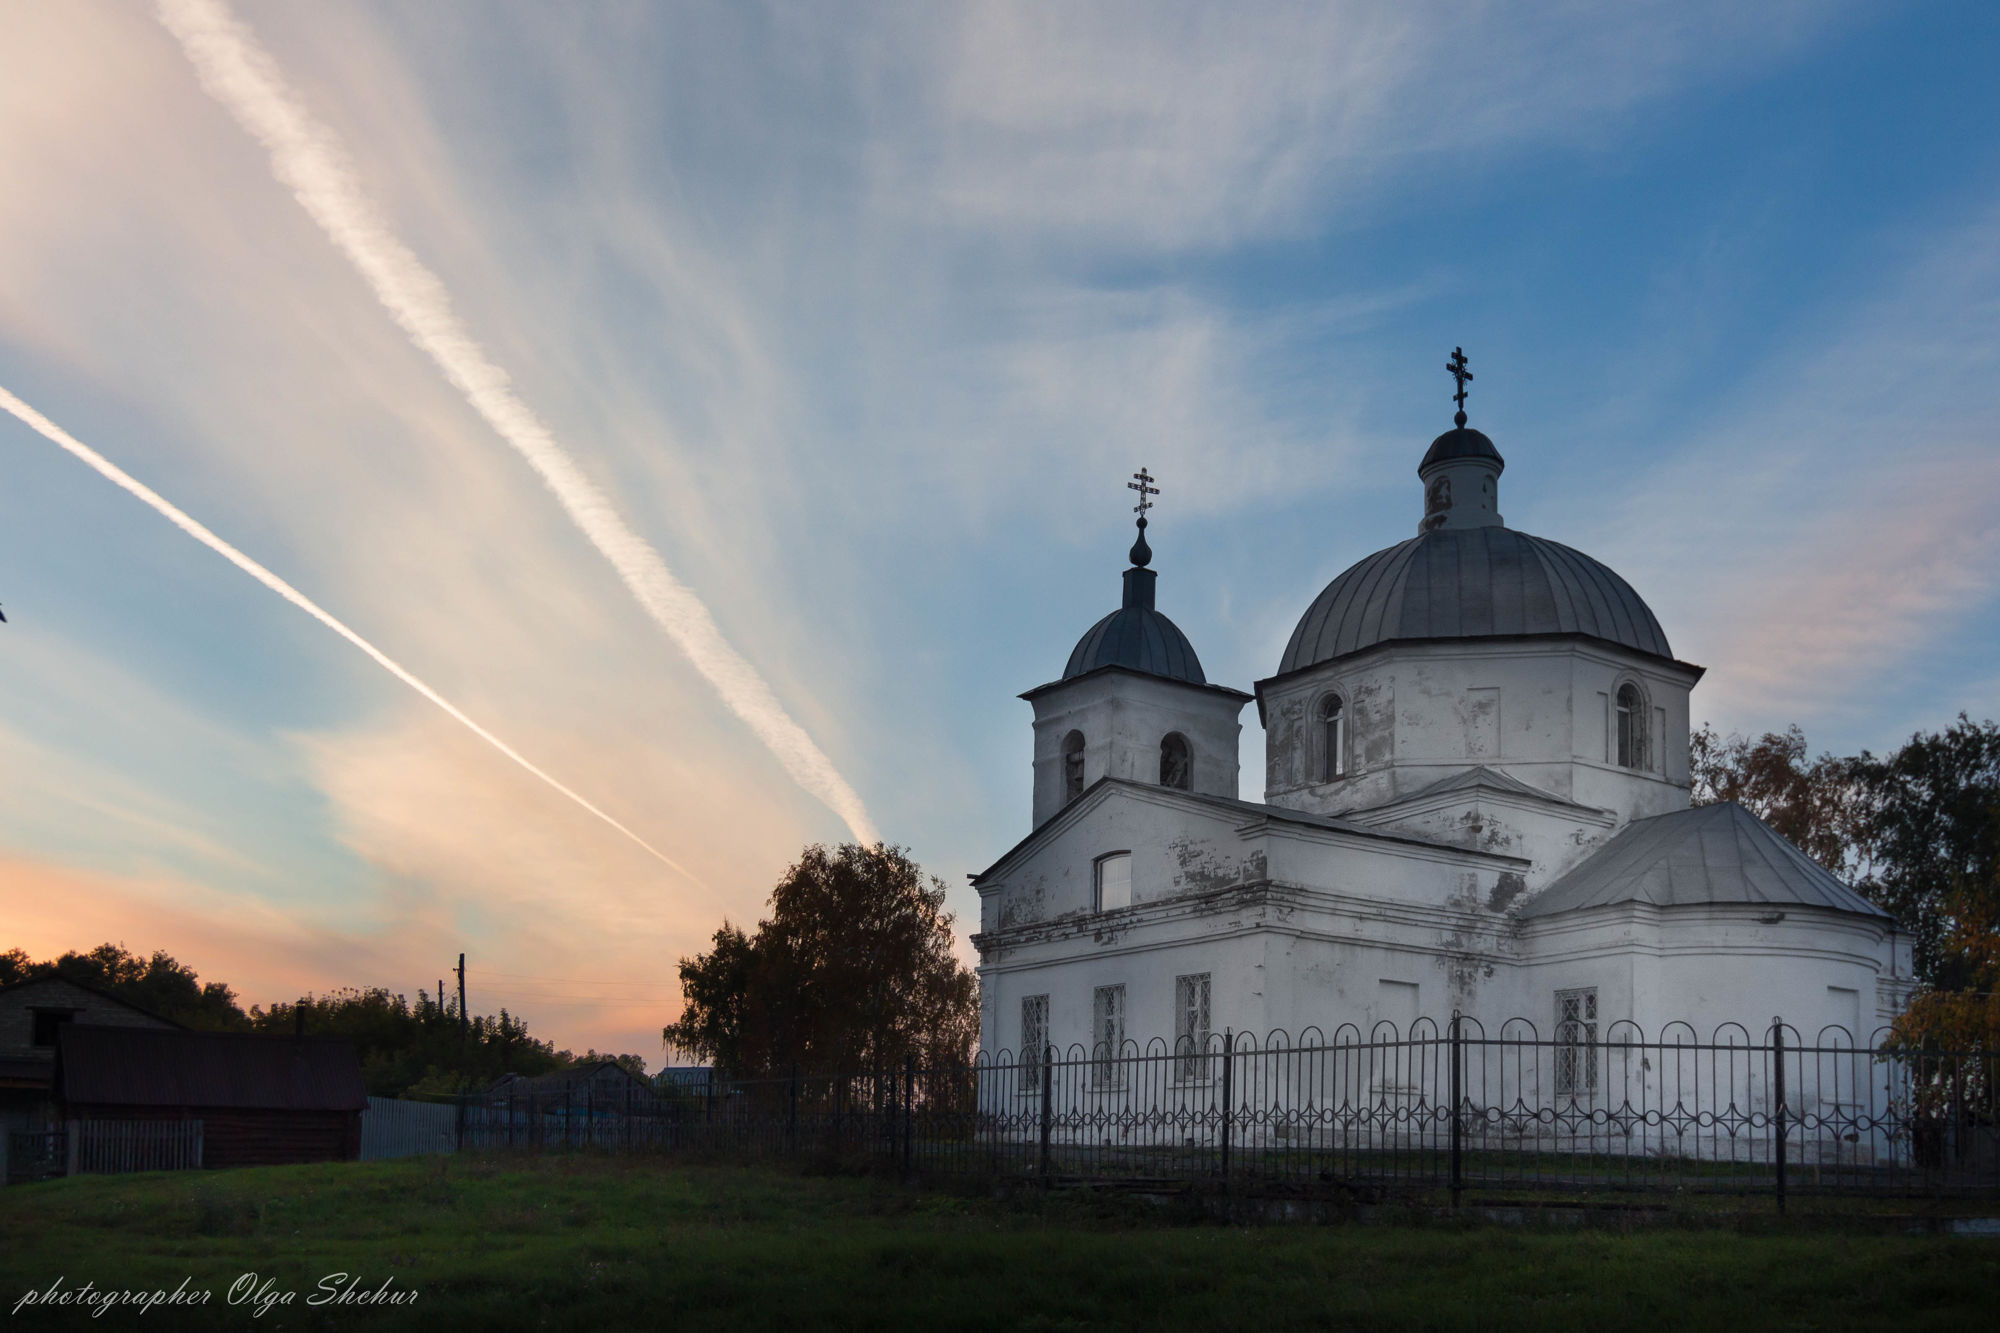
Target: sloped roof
131, 1066
1708, 854
57, 980
568, 1077
1476, 777
1252, 810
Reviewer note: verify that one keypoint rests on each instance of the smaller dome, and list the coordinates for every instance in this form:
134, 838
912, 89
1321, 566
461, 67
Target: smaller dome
1462, 442
1137, 638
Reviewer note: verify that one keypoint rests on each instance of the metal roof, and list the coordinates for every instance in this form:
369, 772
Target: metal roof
1462, 583
1477, 777
131, 1066
1137, 638
1464, 442
1708, 854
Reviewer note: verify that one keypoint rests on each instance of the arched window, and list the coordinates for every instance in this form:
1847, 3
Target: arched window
1072, 766
1113, 889
1332, 738
1632, 729
1176, 762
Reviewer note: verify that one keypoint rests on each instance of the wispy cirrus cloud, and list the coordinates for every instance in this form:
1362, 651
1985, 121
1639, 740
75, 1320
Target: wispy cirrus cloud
306, 156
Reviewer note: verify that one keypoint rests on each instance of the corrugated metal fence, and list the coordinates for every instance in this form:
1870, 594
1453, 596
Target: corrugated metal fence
392, 1128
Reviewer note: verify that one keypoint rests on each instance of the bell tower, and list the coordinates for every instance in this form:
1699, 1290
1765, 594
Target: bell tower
1132, 702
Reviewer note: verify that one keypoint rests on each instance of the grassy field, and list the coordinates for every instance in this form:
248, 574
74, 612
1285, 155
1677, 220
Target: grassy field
583, 1242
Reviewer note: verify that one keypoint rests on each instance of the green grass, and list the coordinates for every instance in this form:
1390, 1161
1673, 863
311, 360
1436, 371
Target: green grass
593, 1242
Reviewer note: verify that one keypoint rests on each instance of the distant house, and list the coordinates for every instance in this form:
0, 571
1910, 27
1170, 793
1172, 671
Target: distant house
31, 1014
261, 1100
597, 1087
685, 1081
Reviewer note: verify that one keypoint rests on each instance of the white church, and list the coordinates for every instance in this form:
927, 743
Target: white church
1476, 800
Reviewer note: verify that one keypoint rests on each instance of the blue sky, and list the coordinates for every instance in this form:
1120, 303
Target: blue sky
861, 316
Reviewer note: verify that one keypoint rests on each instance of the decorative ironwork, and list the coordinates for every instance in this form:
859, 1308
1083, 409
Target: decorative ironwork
1430, 1108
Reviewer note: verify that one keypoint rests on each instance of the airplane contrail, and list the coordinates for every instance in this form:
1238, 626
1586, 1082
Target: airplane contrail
106, 468
308, 156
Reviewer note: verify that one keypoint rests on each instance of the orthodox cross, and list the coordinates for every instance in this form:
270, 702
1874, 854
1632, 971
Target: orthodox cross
1142, 482
1457, 368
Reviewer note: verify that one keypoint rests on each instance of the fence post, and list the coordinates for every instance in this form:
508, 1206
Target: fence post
1457, 1103
909, 1112
1048, 1100
1228, 1094
1778, 1109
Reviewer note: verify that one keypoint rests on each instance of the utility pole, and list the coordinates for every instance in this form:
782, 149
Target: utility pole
463, 1022
440, 997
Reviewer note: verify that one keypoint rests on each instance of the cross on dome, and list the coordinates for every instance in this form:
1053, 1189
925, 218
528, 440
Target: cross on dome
1457, 367
1142, 482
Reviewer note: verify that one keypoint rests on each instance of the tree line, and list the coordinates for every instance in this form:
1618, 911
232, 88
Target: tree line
405, 1049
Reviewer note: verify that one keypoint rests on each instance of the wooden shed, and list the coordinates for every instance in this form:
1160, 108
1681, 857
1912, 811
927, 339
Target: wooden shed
261, 1100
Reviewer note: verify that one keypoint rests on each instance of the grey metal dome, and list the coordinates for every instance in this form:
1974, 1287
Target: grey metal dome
1137, 638
1461, 442
1462, 583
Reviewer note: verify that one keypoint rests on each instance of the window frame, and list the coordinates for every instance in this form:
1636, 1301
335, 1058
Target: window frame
1576, 1036
1193, 1025
1031, 1061
1631, 727
1097, 903
1330, 735
46, 1022
1107, 1037
1187, 757
1073, 747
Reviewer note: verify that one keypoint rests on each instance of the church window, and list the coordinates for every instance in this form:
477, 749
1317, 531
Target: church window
1191, 1025
1107, 1037
1332, 738
1034, 1040
1631, 709
1114, 882
1576, 1042
1072, 766
1176, 762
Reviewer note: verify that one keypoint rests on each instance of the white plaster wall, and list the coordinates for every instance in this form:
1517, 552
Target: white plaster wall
1536, 710
1703, 965
1552, 838
1206, 878
1124, 716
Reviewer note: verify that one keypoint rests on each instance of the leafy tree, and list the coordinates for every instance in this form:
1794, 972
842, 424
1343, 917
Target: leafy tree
1931, 837
159, 984
421, 1048
854, 968
1817, 804
1968, 1018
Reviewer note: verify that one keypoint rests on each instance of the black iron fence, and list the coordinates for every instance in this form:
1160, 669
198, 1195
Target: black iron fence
1446, 1108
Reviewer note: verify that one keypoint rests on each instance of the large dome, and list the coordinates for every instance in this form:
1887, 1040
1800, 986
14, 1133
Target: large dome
1137, 638
1471, 582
